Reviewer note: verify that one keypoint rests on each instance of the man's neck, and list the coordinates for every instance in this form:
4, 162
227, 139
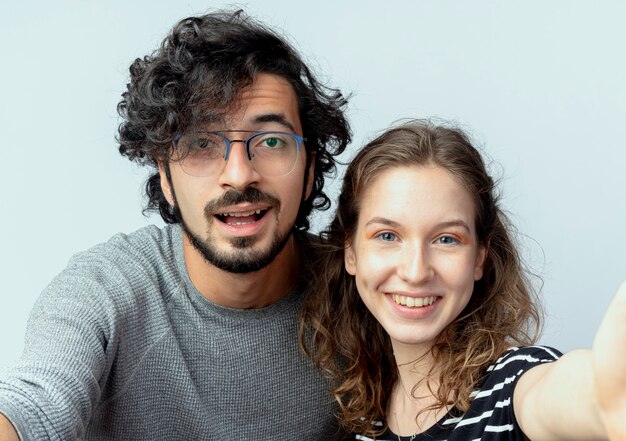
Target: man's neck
247, 290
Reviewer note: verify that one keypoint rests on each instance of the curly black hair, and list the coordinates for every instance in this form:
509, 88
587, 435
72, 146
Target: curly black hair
198, 72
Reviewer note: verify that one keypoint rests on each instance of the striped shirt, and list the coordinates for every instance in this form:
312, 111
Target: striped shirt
490, 416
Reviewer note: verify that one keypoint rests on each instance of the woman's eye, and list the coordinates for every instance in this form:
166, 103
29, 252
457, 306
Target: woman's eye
387, 237
447, 240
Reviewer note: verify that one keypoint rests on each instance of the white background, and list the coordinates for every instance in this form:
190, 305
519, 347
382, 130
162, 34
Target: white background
541, 86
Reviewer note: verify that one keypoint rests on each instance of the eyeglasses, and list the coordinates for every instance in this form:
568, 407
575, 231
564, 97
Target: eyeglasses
202, 154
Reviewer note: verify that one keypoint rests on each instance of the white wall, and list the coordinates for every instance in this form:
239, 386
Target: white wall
541, 85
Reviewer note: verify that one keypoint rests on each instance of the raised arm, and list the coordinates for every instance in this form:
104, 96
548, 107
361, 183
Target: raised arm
609, 367
582, 396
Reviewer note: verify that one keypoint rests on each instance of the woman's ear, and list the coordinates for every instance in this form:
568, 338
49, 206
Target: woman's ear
481, 256
349, 259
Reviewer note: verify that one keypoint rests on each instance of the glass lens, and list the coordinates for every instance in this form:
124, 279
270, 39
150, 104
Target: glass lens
200, 153
273, 153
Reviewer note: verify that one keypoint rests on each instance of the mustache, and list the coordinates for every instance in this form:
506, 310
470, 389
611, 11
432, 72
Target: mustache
234, 197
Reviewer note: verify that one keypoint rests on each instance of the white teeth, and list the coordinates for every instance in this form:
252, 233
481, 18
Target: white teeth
413, 302
242, 214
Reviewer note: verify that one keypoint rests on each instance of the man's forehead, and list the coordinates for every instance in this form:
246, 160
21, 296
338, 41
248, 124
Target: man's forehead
269, 99
228, 122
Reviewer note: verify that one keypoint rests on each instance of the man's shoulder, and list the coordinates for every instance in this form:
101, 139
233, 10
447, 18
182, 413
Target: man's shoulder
149, 235
122, 270
147, 243
145, 257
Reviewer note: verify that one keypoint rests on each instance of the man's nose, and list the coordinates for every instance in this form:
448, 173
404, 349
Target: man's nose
238, 171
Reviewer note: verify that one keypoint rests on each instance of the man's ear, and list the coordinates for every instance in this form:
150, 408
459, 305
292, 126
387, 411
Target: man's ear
349, 259
165, 183
310, 176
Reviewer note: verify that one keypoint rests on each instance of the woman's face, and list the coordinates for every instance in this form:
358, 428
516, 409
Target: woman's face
415, 254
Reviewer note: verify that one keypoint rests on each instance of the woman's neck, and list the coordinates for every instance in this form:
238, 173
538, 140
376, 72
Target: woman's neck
413, 391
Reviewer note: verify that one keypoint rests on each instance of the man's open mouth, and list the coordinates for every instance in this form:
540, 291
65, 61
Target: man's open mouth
242, 217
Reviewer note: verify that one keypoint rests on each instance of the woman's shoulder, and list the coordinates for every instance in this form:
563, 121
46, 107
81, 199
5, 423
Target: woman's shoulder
501, 377
524, 357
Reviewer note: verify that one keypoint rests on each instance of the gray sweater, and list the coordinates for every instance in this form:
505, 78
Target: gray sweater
121, 346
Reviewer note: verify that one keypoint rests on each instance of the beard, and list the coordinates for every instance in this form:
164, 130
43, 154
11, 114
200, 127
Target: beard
243, 259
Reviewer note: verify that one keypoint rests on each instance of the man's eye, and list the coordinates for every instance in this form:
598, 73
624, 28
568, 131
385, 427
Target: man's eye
273, 142
200, 144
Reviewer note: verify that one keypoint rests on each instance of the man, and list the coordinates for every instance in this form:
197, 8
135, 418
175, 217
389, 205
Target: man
190, 331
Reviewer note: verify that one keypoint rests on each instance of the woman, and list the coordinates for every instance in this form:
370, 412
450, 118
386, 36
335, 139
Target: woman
425, 318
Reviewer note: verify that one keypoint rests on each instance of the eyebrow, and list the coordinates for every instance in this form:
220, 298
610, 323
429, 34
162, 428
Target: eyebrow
274, 117
383, 220
455, 223
447, 224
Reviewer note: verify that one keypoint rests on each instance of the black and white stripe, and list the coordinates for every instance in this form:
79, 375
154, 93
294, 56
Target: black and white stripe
490, 416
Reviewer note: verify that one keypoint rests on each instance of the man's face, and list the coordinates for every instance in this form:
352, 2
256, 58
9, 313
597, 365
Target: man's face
238, 219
